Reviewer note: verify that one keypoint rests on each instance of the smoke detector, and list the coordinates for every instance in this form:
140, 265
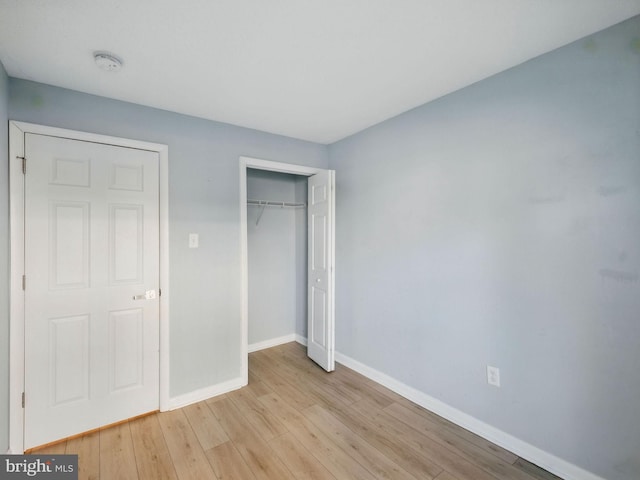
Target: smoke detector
107, 61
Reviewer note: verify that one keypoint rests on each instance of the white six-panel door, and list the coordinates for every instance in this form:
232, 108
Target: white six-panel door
320, 318
91, 293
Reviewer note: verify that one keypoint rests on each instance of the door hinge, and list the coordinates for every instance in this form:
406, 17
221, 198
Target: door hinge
24, 282
22, 399
24, 165
159, 292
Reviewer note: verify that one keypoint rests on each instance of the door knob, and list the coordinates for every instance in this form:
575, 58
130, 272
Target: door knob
148, 295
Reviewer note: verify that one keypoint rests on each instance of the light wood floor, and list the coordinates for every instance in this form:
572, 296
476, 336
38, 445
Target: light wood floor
295, 421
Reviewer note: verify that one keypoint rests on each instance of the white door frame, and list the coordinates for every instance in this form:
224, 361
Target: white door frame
255, 163
17, 131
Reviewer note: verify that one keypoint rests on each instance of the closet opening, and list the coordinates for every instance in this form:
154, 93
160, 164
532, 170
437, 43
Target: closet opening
277, 258
287, 254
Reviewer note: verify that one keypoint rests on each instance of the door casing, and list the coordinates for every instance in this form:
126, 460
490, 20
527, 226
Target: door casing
255, 163
17, 131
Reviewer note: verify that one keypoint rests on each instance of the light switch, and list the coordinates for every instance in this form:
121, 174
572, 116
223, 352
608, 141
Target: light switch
193, 240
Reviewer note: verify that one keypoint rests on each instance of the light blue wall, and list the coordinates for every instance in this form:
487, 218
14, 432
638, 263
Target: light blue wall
500, 225
4, 262
203, 198
277, 256
301, 189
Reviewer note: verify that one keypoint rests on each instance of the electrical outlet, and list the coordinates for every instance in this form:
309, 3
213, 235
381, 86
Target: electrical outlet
493, 376
193, 240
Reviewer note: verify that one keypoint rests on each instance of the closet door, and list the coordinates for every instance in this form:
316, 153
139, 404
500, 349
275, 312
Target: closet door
320, 318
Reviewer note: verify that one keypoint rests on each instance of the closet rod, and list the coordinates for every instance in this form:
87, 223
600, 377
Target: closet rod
269, 203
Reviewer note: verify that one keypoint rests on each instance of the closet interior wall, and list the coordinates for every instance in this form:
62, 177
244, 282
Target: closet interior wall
277, 254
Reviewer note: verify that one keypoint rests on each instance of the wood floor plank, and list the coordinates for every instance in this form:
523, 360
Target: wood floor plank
117, 459
152, 454
228, 464
265, 423
274, 381
205, 425
442, 456
411, 460
295, 348
361, 451
186, 452
383, 396
259, 388
290, 355
306, 375
215, 399
483, 457
341, 465
298, 459
255, 451
304, 382
353, 380
415, 413
445, 476
87, 447
252, 377
393, 396
312, 372
534, 470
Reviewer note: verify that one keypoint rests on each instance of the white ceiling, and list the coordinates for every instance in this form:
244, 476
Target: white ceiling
317, 70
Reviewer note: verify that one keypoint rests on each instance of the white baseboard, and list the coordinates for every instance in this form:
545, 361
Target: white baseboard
301, 340
543, 459
274, 342
205, 393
